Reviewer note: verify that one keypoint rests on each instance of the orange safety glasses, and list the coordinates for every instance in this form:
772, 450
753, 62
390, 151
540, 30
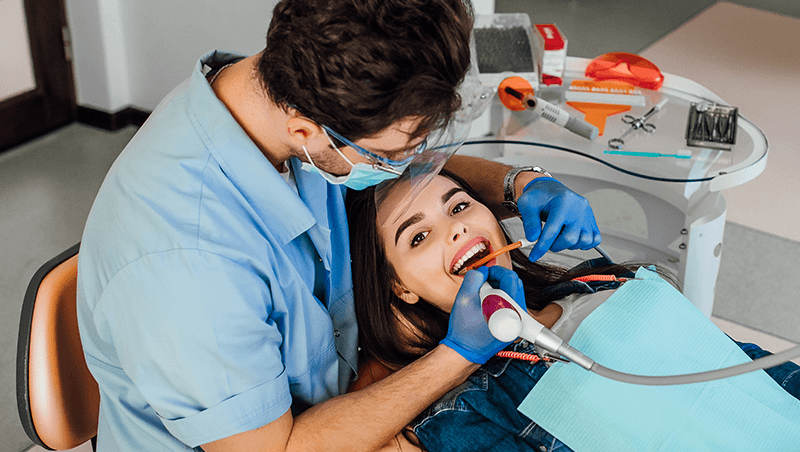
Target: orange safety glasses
626, 67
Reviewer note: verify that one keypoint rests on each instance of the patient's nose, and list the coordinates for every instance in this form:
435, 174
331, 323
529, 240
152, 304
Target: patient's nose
460, 229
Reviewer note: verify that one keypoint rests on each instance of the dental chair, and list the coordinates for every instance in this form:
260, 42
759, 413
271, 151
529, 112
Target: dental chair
57, 398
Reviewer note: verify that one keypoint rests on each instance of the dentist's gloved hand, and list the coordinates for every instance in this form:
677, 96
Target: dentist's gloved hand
468, 333
569, 222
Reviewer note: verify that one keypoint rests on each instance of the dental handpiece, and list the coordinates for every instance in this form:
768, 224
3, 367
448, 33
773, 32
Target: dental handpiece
507, 321
557, 115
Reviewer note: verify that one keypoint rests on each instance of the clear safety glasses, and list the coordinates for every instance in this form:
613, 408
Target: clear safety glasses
418, 166
394, 196
384, 163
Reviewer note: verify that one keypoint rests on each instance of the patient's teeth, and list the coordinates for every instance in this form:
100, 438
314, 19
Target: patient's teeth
471, 252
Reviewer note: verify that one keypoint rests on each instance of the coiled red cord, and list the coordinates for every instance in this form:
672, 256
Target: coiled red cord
523, 356
589, 278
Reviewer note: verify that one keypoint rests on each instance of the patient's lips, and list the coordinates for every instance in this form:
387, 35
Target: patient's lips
470, 252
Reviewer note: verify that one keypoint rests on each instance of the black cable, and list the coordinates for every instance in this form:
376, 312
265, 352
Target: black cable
589, 156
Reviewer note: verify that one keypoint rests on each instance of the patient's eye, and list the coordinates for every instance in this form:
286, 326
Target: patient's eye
459, 207
418, 238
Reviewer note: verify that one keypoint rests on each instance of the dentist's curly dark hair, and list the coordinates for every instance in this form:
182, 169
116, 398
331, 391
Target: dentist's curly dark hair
357, 66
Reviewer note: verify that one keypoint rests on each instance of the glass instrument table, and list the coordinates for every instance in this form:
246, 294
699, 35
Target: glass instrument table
663, 210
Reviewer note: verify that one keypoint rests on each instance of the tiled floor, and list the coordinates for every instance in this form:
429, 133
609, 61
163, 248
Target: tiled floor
45, 191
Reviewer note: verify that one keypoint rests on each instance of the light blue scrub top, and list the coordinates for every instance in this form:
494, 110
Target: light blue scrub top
196, 273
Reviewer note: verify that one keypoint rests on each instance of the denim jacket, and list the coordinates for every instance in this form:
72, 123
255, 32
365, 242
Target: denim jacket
481, 414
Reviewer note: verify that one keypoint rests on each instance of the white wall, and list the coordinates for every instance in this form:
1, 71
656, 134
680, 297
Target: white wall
483, 6
16, 72
133, 52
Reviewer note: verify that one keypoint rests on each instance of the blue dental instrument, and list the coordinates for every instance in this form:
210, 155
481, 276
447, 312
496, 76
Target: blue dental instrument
682, 154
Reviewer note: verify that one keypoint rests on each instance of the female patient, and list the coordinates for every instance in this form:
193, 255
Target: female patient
412, 269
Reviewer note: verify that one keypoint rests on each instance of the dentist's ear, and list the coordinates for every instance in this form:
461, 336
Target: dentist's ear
301, 129
404, 294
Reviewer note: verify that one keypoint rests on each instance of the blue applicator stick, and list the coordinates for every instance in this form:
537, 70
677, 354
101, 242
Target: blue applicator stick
681, 154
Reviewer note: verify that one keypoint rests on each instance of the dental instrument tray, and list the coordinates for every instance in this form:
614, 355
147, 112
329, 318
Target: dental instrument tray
711, 125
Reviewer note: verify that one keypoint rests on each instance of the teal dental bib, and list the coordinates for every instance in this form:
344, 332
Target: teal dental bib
649, 328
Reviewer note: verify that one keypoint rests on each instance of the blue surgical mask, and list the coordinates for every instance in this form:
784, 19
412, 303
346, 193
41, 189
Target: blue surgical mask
361, 175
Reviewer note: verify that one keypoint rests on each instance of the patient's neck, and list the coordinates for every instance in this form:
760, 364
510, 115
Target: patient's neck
548, 315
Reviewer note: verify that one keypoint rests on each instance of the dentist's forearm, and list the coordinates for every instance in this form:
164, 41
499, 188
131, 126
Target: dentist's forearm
367, 419
486, 177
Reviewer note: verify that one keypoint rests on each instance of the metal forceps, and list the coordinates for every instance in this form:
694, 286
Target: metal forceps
636, 124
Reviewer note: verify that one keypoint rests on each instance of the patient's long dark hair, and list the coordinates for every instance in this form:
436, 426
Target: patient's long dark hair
385, 320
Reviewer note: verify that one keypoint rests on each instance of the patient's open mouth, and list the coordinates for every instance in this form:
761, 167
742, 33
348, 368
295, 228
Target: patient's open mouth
471, 255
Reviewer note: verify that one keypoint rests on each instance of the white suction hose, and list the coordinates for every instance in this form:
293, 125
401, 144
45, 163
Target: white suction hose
508, 321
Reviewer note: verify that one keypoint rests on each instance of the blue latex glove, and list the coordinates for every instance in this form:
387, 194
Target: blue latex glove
569, 222
468, 333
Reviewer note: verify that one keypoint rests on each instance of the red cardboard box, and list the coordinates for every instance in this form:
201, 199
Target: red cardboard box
553, 48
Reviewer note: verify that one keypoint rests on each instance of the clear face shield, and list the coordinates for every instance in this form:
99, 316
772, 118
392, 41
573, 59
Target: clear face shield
394, 197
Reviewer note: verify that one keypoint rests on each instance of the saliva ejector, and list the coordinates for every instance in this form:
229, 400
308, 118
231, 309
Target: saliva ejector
508, 321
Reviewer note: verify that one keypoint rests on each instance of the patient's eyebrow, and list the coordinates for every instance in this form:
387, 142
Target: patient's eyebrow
450, 193
413, 219
417, 217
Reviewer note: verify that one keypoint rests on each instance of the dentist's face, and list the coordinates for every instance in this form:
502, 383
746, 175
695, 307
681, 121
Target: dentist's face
443, 231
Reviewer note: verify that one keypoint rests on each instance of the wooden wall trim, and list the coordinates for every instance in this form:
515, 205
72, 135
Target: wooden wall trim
111, 121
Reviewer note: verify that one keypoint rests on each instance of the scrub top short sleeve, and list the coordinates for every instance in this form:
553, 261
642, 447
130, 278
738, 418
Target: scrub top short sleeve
180, 375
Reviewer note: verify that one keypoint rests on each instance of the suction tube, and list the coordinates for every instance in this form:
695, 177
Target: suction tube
761, 363
508, 321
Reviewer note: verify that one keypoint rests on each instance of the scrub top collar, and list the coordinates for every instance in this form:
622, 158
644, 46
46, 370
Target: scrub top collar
247, 167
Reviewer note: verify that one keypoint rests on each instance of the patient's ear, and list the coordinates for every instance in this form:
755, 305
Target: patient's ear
404, 294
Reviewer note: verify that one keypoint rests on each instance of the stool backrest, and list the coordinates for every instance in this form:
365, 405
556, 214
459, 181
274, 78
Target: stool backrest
57, 398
